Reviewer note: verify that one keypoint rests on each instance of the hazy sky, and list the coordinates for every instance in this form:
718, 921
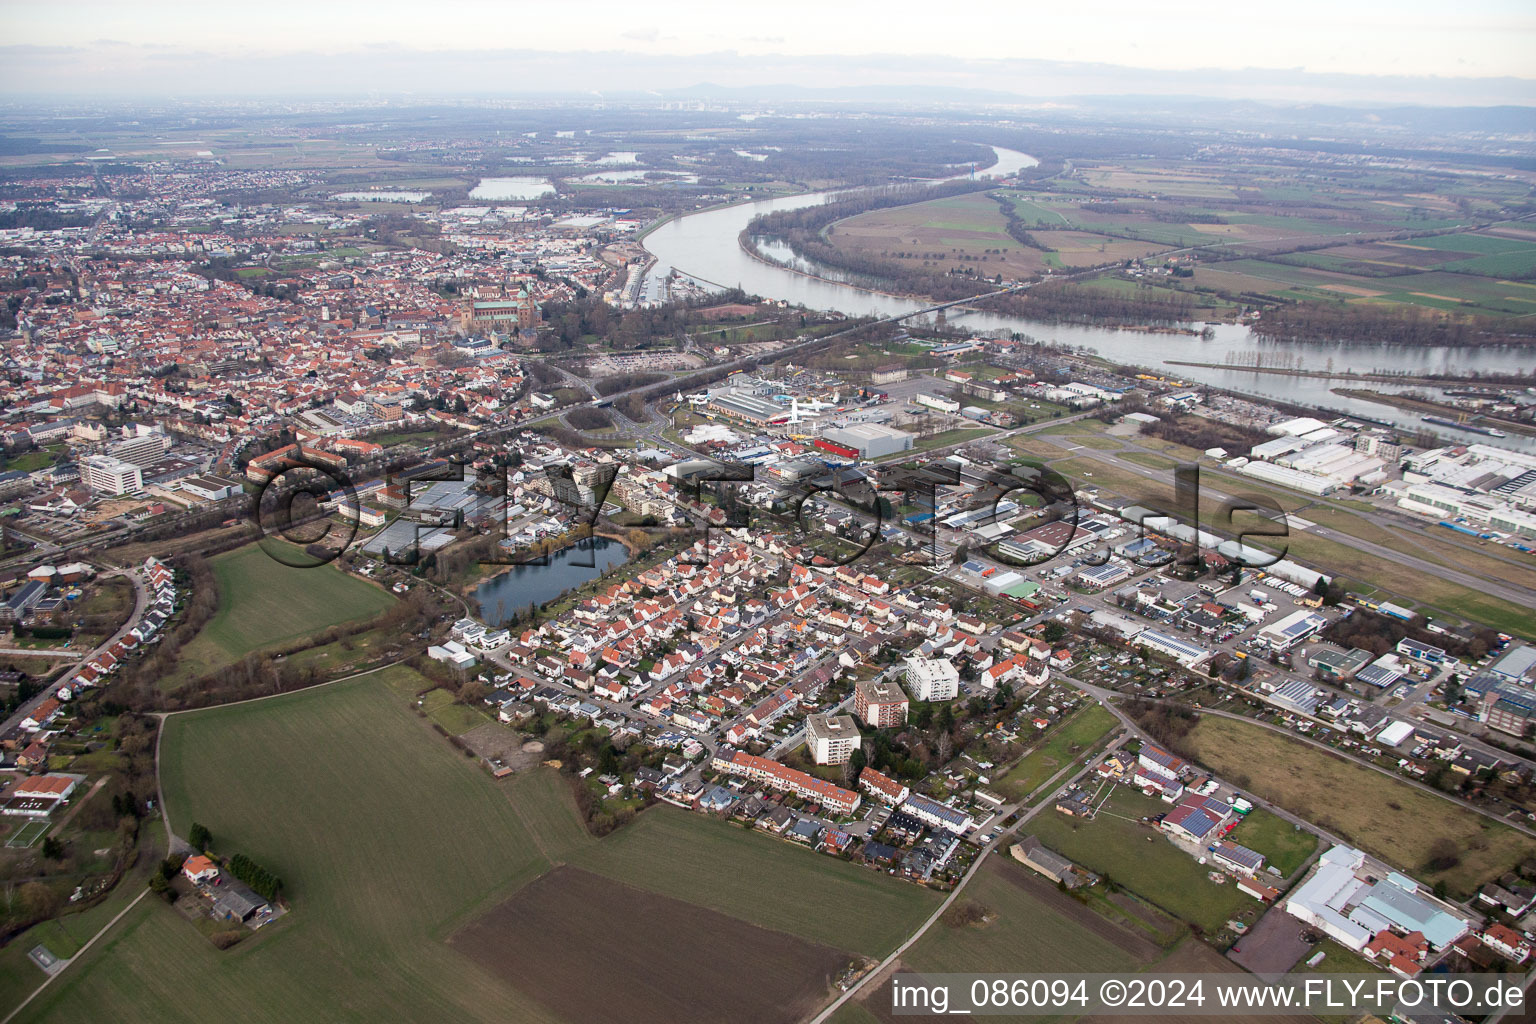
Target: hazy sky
148, 40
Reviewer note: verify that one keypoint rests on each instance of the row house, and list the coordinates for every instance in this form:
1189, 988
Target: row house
1506, 942
772, 709
882, 787
784, 778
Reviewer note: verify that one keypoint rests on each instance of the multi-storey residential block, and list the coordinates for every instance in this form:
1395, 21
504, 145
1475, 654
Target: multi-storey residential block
832, 739
932, 679
880, 703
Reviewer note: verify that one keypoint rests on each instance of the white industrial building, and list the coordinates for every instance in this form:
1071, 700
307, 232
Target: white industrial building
1489, 510
452, 653
1100, 576
1297, 480
870, 440
1127, 627
1291, 630
1337, 462
935, 402
1271, 450
1352, 910
1079, 395
1477, 467
1182, 651
1312, 457
1297, 427
1441, 500
1488, 486
209, 488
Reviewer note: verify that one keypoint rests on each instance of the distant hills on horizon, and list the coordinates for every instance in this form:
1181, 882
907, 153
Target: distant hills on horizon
125, 72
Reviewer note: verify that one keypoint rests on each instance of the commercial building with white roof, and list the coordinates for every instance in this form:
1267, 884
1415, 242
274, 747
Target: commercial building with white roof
1291, 630
1184, 652
1352, 910
1295, 479
870, 440
1297, 427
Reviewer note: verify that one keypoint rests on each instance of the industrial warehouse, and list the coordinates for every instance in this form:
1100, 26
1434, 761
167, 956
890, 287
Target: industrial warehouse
1353, 907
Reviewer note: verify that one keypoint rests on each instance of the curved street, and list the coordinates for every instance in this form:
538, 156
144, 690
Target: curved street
140, 606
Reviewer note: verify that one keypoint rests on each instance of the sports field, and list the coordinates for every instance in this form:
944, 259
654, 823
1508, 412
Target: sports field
1383, 816
389, 841
27, 834
263, 602
442, 708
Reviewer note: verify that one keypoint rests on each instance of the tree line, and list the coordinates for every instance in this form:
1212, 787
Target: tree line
570, 323
1070, 301
1380, 634
1389, 325
139, 682
264, 882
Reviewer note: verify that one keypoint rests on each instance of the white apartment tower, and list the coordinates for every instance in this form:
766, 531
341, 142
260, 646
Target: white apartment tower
932, 679
832, 739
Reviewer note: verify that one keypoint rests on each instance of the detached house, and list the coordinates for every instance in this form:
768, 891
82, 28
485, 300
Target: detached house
1506, 942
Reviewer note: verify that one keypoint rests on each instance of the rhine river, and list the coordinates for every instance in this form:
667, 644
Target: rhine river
705, 246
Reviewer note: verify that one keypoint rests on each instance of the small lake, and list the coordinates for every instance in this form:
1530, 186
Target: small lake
511, 188
516, 588
634, 174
